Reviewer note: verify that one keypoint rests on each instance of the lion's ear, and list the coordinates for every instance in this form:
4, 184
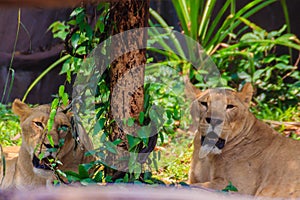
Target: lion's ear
190, 90
21, 109
246, 93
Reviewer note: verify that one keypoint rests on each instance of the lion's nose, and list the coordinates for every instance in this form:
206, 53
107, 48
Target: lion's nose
213, 121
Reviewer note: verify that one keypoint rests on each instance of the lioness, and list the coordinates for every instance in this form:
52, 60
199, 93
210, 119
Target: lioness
231, 145
31, 166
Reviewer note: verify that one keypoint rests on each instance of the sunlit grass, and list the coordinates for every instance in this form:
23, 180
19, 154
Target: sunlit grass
10, 129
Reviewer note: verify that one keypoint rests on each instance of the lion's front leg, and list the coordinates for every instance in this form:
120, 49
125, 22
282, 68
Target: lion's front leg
216, 184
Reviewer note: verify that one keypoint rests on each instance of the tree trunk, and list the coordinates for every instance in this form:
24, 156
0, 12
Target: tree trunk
127, 73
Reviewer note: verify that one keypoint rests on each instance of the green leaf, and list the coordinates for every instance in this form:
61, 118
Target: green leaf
54, 104
137, 171
50, 140
243, 75
184, 184
83, 170
149, 181
59, 30
119, 180
99, 126
126, 178
251, 24
41, 155
98, 177
75, 40
87, 181
130, 122
230, 187
90, 153
284, 67
61, 142
66, 67
156, 115
162, 138
141, 117
176, 114
52, 150
147, 175
63, 174
117, 141
257, 74
132, 162
111, 147
89, 31
72, 22
249, 37
51, 119
144, 131
76, 11
61, 90
108, 179
101, 27
65, 99
72, 176
56, 182
132, 141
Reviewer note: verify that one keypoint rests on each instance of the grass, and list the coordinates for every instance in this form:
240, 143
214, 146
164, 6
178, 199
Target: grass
175, 159
265, 112
286, 121
10, 129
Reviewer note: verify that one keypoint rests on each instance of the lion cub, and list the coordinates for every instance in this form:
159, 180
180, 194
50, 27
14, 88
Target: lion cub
231, 145
25, 168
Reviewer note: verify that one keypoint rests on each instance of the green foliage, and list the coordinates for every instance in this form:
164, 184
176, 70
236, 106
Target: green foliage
83, 175
269, 112
253, 59
79, 36
197, 22
173, 167
241, 50
80, 39
62, 99
165, 88
9, 127
229, 188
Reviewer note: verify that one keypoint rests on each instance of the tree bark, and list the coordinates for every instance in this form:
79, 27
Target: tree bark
127, 72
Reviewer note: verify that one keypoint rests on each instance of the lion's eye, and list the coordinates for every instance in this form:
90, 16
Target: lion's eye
203, 103
230, 106
39, 124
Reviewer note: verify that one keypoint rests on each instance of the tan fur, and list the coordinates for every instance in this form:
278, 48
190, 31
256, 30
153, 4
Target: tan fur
255, 158
20, 171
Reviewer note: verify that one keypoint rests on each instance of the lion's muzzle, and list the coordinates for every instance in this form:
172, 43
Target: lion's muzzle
43, 163
212, 139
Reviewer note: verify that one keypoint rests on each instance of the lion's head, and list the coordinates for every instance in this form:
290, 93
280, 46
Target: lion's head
44, 146
223, 115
